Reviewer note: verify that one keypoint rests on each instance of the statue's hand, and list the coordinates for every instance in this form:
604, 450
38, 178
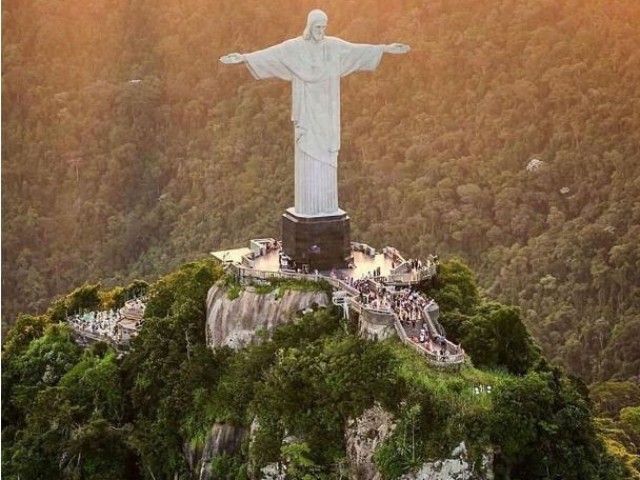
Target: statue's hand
232, 58
396, 48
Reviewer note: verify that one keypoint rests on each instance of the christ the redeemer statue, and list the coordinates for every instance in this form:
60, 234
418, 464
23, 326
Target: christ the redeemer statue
314, 65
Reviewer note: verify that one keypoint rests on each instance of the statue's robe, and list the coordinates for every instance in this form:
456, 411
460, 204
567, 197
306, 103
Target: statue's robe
314, 70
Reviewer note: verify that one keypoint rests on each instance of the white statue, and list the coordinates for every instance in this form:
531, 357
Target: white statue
314, 64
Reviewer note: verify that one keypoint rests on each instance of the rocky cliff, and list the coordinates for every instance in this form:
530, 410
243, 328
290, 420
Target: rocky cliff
363, 436
234, 322
366, 433
221, 439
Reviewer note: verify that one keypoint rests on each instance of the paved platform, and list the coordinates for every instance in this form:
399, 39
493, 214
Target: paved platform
363, 265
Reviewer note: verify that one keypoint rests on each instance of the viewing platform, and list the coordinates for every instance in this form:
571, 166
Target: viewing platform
115, 327
379, 286
388, 266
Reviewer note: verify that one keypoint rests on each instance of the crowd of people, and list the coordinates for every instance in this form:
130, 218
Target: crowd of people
372, 294
375, 293
134, 308
109, 325
99, 324
409, 305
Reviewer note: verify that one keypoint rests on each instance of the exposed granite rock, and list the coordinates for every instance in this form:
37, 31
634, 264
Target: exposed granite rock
366, 433
234, 322
363, 436
222, 438
455, 468
448, 470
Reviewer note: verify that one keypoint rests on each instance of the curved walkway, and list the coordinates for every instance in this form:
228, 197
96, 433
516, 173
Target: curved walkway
381, 298
413, 315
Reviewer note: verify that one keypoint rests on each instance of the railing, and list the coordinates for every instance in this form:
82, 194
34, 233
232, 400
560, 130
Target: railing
394, 254
94, 337
363, 247
455, 355
451, 359
355, 304
433, 325
259, 246
410, 277
132, 314
402, 274
246, 272
336, 282
378, 311
406, 340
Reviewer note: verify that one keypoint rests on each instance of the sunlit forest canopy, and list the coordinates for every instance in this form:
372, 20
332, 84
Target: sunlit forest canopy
127, 148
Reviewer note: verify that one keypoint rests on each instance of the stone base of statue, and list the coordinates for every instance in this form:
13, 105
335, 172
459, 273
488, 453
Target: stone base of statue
319, 243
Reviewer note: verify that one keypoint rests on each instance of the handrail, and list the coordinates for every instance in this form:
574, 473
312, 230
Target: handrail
378, 311
412, 277
336, 282
363, 247
432, 323
355, 304
426, 272
432, 357
247, 272
124, 342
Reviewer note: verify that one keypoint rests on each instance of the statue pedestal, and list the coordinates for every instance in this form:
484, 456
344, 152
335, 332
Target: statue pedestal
319, 242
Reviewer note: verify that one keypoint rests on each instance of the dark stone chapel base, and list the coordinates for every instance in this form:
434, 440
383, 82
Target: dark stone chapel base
319, 242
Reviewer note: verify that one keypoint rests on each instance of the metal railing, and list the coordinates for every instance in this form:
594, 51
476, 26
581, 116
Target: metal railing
90, 337
246, 272
427, 272
455, 355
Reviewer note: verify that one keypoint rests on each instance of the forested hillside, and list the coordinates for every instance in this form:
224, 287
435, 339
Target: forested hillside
127, 148
94, 414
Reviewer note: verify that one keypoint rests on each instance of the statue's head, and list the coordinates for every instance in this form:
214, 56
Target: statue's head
316, 25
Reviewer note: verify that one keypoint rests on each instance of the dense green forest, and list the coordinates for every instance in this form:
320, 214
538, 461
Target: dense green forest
128, 149
69, 413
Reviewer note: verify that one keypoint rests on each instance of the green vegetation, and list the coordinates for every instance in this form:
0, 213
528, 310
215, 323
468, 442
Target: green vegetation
280, 285
618, 406
91, 298
128, 149
277, 285
90, 414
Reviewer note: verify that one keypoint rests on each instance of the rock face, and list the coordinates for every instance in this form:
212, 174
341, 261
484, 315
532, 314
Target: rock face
376, 325
234, 322
452, 469
221, 439
363, 436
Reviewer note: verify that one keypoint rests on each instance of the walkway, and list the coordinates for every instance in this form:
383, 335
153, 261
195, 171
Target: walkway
415, 319
386, 288
115, 327
383, 292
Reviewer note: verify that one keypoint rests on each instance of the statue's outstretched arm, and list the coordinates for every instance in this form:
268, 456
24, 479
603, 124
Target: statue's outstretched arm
233, 58
396, 48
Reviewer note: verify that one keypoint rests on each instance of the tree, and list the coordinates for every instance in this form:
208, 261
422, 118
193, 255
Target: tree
455, 287
543, 428
496, 337
609, 398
